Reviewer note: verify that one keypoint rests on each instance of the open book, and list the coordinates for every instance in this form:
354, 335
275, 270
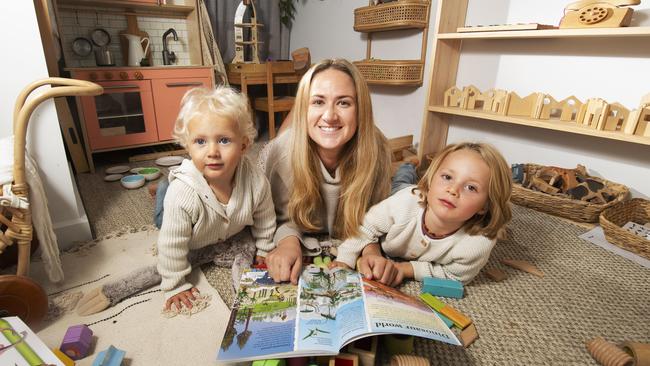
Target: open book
327, 310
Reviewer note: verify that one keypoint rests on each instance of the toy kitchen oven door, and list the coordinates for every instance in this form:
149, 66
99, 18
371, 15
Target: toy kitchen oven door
123, 115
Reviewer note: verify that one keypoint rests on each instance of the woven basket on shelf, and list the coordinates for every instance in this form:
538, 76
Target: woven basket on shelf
391, 72
575, 210
393, 15
613, 218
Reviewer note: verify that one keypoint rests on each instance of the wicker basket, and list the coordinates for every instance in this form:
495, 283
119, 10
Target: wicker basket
389, 16
575, 210
612, 219
391, 72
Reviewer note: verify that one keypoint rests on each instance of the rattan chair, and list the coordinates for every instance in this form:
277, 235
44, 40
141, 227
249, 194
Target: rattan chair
19, 295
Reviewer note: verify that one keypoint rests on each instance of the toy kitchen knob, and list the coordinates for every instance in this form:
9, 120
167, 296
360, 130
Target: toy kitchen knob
108, 75
93, 76
124, 75
138, 75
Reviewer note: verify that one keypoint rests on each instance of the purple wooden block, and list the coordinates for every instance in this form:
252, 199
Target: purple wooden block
76, 342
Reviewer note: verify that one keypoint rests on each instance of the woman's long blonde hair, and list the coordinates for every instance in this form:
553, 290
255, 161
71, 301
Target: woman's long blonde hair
491, 224
364, 165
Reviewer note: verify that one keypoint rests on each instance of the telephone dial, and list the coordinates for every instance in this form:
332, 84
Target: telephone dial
598, 14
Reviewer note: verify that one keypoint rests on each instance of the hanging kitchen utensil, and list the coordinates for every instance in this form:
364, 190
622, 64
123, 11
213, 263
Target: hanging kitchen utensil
100, 37
81, 46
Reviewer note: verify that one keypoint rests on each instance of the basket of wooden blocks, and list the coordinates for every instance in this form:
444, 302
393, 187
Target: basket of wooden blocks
569, 193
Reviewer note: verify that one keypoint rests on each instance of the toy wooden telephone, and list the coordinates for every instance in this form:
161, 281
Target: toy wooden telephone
598, 14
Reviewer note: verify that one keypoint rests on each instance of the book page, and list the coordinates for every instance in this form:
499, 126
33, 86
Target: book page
331, 309
391, 311
263, 319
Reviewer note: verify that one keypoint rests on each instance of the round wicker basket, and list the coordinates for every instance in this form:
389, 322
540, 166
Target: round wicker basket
582, 211
613, 218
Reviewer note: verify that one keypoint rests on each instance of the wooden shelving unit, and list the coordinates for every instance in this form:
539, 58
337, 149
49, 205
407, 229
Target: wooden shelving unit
546, 124
446, 52
553, 33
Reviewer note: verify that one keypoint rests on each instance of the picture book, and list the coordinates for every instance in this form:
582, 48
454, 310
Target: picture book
21, 347
328, 309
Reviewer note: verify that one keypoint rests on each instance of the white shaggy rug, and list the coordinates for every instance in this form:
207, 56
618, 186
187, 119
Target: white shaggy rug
135, 325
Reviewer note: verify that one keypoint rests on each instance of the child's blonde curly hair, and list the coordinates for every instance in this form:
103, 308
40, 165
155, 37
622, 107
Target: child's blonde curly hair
223, 102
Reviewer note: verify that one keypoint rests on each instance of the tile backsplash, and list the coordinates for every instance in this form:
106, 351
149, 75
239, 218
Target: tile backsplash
75, 24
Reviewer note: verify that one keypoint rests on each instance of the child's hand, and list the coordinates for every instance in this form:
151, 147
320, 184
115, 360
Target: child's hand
338, 264
182, 297
380, 269
285, 261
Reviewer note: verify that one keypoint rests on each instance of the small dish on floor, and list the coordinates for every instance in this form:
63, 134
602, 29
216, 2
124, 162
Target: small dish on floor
169, 160
118, 169
149, 173
132, 181
113, 177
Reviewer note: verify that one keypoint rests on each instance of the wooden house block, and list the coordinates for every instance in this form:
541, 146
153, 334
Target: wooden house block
593, 113
643, 128
500, 102
632, 122
549, 108
522, 107
616, 117
468, 97
452, 97
488, 97
570, 109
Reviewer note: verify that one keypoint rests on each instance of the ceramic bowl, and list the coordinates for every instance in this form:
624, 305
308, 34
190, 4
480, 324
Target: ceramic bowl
132, 181
149, 173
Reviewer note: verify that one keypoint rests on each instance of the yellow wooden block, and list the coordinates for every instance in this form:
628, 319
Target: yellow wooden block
67, 361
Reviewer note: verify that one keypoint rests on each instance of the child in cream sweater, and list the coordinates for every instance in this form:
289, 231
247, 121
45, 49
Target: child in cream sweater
445, 227
210, 199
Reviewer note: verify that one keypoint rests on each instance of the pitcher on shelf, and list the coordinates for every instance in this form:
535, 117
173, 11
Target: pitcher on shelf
136, 53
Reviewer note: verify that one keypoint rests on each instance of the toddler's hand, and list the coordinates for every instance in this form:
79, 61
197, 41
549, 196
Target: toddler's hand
338, 264
285, 261
182, 297
380, 269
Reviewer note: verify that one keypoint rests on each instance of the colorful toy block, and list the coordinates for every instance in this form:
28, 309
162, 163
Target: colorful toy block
109, 357
273, 362
442, 287
445, 320
67, 361
76, 342
460, 320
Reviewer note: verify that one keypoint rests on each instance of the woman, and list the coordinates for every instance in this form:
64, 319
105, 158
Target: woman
328, 169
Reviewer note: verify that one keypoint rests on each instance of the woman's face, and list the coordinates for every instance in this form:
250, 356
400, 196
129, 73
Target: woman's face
332, 114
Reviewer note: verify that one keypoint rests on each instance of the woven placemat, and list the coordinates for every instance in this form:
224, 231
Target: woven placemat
586, 292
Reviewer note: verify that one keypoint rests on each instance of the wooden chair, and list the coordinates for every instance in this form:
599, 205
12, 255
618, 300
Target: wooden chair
271, 103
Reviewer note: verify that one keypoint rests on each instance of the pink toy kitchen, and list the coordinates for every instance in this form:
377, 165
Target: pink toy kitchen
145, 54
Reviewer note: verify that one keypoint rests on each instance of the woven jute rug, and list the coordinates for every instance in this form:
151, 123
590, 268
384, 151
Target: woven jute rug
586, 292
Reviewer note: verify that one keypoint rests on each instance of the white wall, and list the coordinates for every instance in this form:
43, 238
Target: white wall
326, 28
615, 70
22, 64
